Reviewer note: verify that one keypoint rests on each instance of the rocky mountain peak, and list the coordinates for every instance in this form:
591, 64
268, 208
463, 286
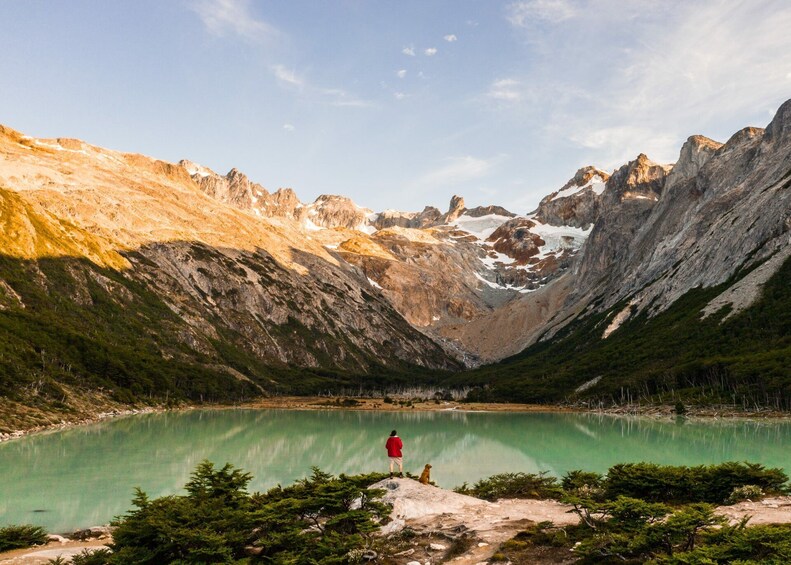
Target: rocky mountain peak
742, 137
331, 211
576, 204
455, 209
695, 152
640, 179
779, 129
480, 211
585, 175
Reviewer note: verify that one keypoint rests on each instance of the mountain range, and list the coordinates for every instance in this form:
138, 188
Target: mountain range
127, 279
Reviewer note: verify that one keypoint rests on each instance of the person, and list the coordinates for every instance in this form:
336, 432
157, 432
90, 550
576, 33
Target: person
394, 446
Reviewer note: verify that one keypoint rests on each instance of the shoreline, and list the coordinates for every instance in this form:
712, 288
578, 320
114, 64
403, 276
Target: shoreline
349, 403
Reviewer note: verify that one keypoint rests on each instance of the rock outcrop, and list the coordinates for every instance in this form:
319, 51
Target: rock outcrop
577, 202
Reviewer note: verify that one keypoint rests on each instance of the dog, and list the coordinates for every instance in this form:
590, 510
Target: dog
425, 476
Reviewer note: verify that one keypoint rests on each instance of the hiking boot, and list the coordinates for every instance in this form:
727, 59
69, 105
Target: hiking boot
391, 475
400, 475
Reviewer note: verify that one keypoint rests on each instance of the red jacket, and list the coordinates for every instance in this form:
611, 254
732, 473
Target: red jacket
394, 445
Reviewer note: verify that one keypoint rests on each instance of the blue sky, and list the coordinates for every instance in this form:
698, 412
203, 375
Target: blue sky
395, 104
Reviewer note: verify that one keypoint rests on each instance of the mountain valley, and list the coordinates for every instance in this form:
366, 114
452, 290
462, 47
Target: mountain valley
139, 280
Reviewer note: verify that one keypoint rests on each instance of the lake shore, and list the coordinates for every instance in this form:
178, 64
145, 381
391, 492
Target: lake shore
400, 405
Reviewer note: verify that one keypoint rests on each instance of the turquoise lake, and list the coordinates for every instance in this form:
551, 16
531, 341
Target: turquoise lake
85, 476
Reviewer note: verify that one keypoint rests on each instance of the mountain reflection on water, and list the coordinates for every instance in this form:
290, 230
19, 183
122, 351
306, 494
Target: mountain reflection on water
85, 476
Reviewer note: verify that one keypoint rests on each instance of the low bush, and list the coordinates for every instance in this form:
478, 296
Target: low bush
320, 519
678, 484
765, 545
514, 485
20, 536
100, 556
583, 483
747, 492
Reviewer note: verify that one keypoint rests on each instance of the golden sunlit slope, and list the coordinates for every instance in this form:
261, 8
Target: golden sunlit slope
128, 201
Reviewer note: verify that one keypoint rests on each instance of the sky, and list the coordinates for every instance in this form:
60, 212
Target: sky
397, 105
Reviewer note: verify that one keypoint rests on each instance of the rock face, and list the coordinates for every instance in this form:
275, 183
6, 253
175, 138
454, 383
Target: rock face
203, 247
577, 202
628, 198
330, 211
726, 206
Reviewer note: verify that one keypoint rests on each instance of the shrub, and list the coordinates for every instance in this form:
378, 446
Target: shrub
514, 485
637, 530
318, 519
583, 483
96, 557
764, 544
704, 483
17, 537
747, 492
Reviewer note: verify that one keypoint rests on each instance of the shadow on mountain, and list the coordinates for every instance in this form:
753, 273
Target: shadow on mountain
192, 322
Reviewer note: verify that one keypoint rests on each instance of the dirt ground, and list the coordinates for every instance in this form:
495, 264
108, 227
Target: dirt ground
42, 554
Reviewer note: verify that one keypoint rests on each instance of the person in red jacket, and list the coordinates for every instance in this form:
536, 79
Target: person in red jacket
394, 446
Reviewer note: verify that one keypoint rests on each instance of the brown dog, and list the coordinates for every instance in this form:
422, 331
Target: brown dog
425, 476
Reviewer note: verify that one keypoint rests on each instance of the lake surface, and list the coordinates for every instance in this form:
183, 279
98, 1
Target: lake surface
85, 476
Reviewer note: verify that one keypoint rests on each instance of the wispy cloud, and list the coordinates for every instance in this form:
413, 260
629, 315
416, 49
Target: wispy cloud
287, 76
457, 170
506, 90
687, 68
410, 51
289, 127
233, 17
450, 38
401, 73
695, 71
289, 79
522, 14
430, 52
343, 98
399, 95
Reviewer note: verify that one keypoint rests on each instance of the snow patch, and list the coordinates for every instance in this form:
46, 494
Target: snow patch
310, 226
374, 284
489, 261
559, 237
596, 183
490, 284
196, 169
366, 228
481, 227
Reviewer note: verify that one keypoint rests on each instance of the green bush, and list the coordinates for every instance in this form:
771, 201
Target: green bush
581, 480
514, 485
100, 556
764, 544
16, 537
704, 483
747, 492
319, 519
637, 530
